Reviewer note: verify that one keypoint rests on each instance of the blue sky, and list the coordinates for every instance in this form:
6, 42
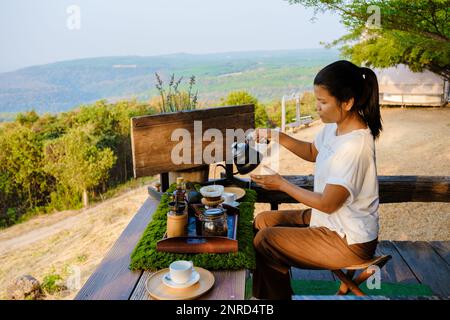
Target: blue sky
35, 31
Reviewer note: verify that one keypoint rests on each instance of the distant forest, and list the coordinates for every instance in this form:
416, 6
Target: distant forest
55, 162
62, 86
62, 143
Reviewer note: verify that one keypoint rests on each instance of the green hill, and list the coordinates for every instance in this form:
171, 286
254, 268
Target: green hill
64, 85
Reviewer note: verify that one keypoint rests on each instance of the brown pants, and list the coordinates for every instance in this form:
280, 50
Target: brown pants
284, 239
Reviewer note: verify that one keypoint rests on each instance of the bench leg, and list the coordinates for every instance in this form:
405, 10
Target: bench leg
343, 289
348, 282
365, 274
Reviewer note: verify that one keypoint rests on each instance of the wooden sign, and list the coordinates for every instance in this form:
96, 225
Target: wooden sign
156, 138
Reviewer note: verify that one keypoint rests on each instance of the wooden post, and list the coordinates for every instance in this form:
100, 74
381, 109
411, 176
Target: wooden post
283, 114
85, 198
229, 171
164, 178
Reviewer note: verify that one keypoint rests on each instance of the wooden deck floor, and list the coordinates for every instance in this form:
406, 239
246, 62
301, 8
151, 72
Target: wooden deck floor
413, 262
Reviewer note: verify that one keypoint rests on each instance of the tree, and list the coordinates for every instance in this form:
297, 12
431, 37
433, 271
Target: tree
122, 112
242, 97
76, 162
23, 182
27, 118
411, 32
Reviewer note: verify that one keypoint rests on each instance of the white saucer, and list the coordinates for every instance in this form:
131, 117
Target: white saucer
233, 204
195, 276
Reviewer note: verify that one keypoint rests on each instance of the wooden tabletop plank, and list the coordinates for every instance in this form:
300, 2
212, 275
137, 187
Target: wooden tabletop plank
140, 292
396, 270
228, 285
442, 248
427, 265
112, 280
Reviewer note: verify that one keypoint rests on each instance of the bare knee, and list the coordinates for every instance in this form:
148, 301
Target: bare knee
260, 238
262, 220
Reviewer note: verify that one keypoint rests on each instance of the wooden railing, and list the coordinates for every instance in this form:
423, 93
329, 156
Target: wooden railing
392, 189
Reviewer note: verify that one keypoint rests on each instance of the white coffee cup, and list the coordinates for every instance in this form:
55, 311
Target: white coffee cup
229, 197
180, 271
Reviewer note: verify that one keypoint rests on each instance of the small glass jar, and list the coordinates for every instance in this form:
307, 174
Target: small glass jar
214, 222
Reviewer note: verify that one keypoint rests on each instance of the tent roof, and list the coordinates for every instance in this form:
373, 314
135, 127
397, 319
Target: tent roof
400, 80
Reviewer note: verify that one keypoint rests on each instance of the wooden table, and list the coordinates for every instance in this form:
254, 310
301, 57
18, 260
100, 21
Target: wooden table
112, 280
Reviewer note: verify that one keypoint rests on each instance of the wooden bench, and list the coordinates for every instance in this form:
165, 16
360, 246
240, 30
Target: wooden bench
412, 262
304, 120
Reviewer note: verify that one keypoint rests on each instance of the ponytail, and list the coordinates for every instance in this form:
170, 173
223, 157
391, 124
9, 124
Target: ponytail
344, 81
369, 104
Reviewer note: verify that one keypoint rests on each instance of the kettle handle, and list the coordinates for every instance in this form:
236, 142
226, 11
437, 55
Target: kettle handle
226, 169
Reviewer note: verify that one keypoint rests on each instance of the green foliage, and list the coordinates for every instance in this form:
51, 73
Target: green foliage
242, 97
308, 105
307, 108
82, 258
415, 32
172, 99
76, 161
23, 182
64, 198
145, 255
52, 283
47, 161
27, 118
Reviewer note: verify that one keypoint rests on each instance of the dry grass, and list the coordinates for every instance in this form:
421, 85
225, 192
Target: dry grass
51, 244
414, 142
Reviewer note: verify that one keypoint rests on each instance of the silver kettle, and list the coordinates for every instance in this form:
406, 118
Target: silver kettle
245, 157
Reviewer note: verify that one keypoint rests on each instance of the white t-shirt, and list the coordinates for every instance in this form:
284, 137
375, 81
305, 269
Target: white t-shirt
348, 160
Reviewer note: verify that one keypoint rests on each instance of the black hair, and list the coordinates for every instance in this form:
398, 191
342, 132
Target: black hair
345, 80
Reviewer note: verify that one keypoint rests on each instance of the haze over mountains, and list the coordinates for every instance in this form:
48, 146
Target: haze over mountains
61, 86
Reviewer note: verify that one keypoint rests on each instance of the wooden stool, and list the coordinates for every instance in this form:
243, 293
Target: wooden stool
347, 281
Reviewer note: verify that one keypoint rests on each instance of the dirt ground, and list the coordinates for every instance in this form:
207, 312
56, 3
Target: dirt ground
60, 243
413, 142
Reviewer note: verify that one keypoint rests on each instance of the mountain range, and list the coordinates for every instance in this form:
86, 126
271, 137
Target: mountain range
62, 86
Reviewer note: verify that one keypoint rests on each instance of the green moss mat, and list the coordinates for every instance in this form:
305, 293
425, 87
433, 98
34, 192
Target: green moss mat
145, 256
327, 288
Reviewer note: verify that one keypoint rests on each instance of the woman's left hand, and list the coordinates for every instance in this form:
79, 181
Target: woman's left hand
269, 182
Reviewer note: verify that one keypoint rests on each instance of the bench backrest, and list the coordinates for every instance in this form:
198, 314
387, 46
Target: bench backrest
151, 136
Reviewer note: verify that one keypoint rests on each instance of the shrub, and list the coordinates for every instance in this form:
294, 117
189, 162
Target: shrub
242, 97
52, 284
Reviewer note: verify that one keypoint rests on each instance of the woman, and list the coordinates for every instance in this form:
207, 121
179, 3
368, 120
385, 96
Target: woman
341, 228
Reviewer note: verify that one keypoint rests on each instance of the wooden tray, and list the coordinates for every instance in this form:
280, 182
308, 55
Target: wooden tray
193, 243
